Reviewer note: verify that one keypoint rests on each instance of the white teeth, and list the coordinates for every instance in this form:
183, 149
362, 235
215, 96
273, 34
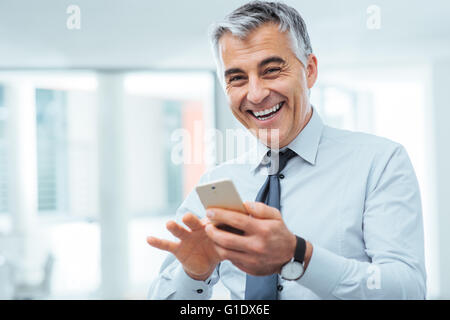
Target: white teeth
267, 111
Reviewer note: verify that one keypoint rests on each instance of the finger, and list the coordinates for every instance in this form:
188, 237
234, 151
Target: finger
204, 221
236, 257
262, 211
232, 218
177, 230
226, 239
239, 259
162, 244
192, 221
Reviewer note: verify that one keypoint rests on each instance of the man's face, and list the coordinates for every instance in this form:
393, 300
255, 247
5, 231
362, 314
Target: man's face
266, 83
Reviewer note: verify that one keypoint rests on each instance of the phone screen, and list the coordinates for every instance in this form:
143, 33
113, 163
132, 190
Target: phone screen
231, 229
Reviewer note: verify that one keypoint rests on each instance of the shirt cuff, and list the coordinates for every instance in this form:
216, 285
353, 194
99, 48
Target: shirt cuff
191, 288
323, 273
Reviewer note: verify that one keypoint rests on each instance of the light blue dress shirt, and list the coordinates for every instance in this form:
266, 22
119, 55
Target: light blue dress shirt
354, 196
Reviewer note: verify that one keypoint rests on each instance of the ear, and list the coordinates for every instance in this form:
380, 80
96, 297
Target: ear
311, 71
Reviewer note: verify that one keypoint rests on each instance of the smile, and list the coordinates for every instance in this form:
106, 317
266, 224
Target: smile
267, 113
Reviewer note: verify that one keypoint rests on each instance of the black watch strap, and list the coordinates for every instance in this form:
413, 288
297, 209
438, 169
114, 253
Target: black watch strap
300, 249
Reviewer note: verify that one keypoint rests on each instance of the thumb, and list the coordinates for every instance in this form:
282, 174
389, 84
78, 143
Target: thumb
261, 210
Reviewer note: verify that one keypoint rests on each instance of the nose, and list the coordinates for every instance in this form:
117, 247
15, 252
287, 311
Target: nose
257, 91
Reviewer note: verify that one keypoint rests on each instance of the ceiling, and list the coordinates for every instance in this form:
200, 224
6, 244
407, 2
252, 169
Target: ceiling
173, 33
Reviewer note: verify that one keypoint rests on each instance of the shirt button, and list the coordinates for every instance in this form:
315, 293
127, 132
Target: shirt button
200, 291
279, 287
281, 176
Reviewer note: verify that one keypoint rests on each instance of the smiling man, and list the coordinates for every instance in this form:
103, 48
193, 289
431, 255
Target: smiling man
339, 217
265, 81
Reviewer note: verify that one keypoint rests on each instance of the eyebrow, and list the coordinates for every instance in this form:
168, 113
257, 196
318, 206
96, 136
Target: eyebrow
275, 59
266, 61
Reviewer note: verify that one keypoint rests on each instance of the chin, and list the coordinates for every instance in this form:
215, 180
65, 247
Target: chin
272, 140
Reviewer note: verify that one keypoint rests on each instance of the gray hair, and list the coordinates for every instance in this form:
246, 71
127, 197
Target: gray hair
252, 15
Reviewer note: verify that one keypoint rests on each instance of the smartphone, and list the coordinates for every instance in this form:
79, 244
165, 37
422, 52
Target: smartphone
221, 194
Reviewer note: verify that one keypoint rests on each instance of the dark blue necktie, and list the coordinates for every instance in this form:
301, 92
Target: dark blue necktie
265, 287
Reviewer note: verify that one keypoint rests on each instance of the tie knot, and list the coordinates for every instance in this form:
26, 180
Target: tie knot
279, 160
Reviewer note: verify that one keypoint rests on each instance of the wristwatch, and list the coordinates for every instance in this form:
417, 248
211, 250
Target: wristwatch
293, 270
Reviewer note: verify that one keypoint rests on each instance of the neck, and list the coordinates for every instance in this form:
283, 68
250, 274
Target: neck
297, 131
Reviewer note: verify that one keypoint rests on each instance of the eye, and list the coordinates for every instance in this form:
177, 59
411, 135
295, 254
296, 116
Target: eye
235, 78
272, 70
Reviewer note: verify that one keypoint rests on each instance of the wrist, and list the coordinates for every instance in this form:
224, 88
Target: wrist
295, 268
290, 251
308, 253
199, 277
292, 246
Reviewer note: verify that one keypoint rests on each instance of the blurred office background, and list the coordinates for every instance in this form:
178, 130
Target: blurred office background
89, 108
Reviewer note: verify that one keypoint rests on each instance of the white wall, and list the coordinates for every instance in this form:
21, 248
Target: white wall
173, 33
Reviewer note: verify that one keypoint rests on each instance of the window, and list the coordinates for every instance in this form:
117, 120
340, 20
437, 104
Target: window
51, 130
156, 104
63, 159
172, 115
344, 107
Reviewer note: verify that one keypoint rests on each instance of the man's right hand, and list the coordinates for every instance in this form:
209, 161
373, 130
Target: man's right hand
195, 251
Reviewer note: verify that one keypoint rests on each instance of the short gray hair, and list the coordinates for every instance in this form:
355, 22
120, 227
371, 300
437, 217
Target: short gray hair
254, 14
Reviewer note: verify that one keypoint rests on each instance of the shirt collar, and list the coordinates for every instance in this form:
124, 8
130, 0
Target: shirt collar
305, 144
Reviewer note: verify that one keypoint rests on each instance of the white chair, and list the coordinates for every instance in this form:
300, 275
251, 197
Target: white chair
39, 291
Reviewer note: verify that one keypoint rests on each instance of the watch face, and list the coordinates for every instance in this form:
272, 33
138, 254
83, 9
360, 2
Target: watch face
292, 270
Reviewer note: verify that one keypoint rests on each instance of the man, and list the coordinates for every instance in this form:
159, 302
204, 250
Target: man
341, 216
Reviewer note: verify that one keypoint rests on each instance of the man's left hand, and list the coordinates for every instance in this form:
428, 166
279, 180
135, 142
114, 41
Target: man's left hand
266, 245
